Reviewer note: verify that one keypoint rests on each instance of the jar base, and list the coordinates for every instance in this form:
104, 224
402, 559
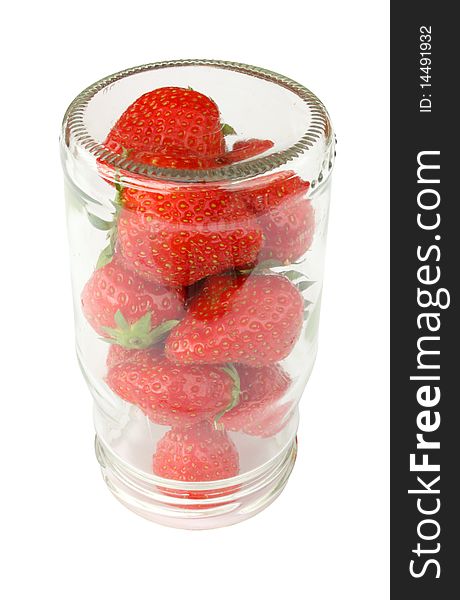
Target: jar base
237, 500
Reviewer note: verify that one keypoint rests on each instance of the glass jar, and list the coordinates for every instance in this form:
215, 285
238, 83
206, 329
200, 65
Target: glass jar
197, 200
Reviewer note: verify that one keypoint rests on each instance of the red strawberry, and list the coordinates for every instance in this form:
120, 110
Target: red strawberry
171, 394
178, 158
172, 157
244, 149
254, 320
288, 231
185, 233
259, 411
128, 310
118, 354
198, 453
269, 191
169, 117
285, 215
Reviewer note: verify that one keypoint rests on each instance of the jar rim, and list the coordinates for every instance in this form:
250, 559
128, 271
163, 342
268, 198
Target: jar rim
74, 128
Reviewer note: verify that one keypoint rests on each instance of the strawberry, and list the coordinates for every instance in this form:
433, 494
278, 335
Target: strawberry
259, 411
174, 127
171, 394
118, 354
265, 193
244, 149
184, 233
254, 320
284, 214
169, 117
179, 158
126, 309
172, 157
288, 231
197, 453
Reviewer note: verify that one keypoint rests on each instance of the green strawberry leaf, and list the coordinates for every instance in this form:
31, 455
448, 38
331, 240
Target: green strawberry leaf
99, 223
107, 253
304, 285
293, 275
138, 335
122, 323
227, 130
105, 256
162, 330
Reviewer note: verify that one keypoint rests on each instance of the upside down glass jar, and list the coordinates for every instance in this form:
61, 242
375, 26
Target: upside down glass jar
197, 199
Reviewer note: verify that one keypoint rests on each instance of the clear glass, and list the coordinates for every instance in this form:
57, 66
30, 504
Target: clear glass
197, 261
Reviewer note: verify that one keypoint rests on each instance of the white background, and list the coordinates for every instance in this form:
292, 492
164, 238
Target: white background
62, 533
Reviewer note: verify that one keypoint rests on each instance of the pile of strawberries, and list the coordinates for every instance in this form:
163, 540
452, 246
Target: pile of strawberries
197, 321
